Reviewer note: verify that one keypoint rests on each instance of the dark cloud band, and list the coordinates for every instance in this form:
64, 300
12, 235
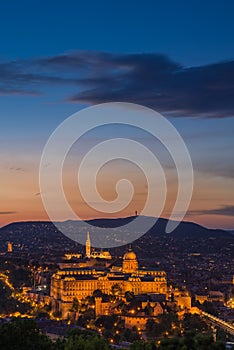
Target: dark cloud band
227, 210
153, 80
7, 212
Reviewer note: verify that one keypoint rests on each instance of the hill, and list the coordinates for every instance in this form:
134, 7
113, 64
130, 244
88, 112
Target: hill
190, 252
187, 237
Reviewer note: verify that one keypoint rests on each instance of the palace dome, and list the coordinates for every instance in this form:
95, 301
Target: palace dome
130, 255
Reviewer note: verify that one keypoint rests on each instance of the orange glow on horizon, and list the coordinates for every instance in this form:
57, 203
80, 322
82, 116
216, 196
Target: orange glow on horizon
21, 200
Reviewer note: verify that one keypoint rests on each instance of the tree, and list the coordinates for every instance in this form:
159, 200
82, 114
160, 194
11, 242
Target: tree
167, 320
194, 322
130, 335
59, 344
106, 322
97, 293
188, 340
203, 342
90, 300
80, 342
20, 277
129, 296
171, 344
162, 325
209, 307
191, 342
89, 314
21, 335
142, 345
116, 290
150, 326
75, 305
149, 310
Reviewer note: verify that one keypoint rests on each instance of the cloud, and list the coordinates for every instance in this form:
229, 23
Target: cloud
150, 79
160, 83
16, 169
227, 210
7, 212
219, 167
24, 77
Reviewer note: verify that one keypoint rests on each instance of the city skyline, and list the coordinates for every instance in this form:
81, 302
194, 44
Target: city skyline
178, 62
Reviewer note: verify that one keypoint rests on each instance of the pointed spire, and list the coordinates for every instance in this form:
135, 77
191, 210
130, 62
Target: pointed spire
88, 246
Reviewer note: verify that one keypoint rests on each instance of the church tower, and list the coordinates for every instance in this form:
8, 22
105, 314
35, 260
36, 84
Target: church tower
88, 246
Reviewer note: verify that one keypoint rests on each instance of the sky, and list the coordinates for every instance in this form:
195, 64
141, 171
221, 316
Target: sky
174, 57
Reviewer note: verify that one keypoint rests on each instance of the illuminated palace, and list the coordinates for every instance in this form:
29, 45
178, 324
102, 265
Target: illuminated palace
70, 283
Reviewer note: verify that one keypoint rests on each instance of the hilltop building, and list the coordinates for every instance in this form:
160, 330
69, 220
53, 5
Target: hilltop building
9, 247
103, 254
79, 283
70, 256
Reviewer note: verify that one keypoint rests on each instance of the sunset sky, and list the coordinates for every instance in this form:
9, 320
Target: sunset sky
176, 57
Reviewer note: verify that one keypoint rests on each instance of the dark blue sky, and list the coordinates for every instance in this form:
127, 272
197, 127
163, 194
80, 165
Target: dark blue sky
173, 56
191, 32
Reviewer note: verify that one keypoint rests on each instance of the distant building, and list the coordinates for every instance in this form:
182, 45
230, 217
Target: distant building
88, 246
216, 296
9, 247
103, 254
136, 321
201, 298
183, 299
230, 303
212, 296
95, 254
71, 283
102, 307
69, 256
130, 263
156, 307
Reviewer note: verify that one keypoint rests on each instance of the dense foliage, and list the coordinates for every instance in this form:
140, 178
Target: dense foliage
188, 342
20, 334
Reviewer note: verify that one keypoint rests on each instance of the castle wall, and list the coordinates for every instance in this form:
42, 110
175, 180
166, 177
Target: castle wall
80, 283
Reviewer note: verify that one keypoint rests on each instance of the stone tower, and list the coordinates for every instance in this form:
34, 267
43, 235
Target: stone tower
88, 246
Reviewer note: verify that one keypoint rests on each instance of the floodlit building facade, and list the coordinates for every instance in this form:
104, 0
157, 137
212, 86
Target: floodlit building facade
79, 283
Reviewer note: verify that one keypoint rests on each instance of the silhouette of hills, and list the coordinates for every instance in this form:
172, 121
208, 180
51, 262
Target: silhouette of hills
187, 238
